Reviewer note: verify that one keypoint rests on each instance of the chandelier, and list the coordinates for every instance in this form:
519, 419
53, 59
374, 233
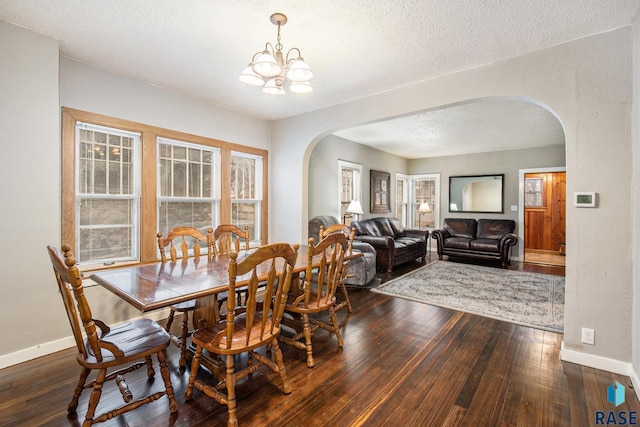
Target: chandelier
272, 66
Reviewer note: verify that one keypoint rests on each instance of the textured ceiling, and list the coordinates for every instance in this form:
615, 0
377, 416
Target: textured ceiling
355, 48
474, 127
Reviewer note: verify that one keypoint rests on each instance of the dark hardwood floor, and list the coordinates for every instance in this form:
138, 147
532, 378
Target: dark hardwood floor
403, 363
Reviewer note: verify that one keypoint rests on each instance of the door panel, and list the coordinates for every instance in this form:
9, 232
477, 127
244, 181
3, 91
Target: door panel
545, 213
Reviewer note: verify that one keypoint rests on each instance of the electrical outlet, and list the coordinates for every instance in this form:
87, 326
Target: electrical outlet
588, 336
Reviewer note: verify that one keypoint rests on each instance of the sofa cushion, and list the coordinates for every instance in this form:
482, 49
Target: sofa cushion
385, 226
457, 242
461, 227
485, 245
407, 244
367, 227
495, 228
398, 229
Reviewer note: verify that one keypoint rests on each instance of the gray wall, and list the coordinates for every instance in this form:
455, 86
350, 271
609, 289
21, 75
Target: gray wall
502, 162
323, 173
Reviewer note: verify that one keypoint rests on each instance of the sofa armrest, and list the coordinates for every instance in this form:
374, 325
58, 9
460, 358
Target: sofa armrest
363, 247
509, 239
421, 234
381, 242
440, 236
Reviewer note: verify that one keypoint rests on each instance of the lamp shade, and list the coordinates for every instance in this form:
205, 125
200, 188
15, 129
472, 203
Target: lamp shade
424, 208
300, 87
274, 87
299, 71
250, 77
266, 65
354, 208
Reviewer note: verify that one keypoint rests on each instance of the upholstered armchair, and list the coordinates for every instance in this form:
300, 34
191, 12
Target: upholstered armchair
362, 269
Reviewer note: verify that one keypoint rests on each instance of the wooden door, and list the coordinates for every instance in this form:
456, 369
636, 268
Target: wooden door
545, 201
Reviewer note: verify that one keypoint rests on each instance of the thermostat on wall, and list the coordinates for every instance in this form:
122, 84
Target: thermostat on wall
583, 199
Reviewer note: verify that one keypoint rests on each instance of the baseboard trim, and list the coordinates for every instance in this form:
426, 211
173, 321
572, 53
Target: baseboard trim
602, 363
51, 347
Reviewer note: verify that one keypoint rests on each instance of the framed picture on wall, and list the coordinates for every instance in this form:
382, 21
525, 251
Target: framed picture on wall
380, 195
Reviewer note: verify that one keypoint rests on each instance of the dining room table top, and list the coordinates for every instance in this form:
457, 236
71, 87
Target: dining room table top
156, 285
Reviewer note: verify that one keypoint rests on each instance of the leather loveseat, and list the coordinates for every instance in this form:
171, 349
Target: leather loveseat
394, 245
488, 239
361, 270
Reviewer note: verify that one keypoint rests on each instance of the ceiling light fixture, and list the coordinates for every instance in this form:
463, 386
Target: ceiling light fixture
271, 64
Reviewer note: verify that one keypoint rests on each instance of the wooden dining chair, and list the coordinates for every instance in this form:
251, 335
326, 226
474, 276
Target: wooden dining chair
350, 233
190, 241
228, 238
247, 327
316, 296
105, 348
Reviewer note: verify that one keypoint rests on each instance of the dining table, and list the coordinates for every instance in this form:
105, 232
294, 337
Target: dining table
157, 285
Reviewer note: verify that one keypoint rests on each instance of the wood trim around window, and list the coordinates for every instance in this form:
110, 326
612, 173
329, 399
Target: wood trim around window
148, 208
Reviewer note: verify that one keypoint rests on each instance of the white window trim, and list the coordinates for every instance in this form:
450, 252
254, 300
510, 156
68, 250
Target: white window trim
412, 205
343, 164
405, 197
137, 184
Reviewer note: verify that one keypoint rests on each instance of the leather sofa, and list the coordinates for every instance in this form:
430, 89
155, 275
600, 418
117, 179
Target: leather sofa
488, 239
394, 244
363, 269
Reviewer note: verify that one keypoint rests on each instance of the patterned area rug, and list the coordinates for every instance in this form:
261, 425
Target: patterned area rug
529, 299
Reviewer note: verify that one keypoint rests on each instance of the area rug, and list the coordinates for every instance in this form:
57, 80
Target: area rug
529, 299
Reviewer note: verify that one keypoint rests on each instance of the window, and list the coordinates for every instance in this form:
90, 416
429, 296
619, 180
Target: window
107, 194
402, 198
188, 185
246, 193
534, 192
123, 182
425, 188
350, 187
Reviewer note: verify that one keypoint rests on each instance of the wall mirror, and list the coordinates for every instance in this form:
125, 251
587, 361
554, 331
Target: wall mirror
476, 193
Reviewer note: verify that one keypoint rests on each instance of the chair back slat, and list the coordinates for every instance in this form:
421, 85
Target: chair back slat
227, 239
270, 270
350, 232
189, 237
331, 251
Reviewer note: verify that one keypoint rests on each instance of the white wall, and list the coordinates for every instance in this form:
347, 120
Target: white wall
635, 195
587, 84
34, 84
30, 191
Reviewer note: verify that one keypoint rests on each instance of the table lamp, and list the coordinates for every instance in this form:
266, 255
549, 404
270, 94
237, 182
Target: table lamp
354, 208
424, 208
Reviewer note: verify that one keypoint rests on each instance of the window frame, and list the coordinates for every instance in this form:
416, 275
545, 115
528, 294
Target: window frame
357, 185
148, 248
413, 205
259, 187
402, 199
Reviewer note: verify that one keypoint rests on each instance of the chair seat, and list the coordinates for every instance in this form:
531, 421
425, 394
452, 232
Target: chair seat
133, 338
206, 337
184, 306
316, 304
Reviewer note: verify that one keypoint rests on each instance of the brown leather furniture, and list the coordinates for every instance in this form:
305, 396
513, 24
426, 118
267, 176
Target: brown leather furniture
394, 244
489, 239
